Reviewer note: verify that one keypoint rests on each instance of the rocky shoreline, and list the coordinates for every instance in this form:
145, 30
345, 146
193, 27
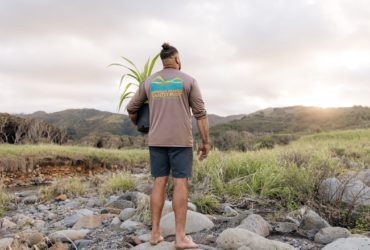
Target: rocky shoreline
120, 221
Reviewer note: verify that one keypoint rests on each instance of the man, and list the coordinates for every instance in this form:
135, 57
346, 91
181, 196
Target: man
171, 94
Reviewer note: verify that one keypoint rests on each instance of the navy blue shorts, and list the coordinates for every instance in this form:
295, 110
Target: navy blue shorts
178, 160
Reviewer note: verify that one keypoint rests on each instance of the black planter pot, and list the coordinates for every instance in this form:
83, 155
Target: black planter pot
143, 119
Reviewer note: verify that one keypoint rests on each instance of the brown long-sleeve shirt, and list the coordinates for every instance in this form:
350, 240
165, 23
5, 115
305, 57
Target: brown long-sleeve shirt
171, 94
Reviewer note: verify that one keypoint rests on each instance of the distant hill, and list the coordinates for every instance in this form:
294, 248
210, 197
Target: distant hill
83, 122
297, 119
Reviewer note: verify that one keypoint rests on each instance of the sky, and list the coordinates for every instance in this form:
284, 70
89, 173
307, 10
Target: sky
245, 54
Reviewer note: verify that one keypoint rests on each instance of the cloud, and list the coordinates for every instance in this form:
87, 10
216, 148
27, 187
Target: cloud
246, 55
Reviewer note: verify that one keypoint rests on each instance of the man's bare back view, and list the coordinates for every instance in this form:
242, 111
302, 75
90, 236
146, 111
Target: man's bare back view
171, 95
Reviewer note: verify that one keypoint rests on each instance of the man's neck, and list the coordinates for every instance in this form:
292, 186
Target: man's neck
171, 66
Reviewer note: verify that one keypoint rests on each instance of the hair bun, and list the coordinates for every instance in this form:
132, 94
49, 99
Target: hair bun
166, 46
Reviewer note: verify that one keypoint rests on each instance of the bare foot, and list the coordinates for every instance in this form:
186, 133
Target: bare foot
155, 239
185, 243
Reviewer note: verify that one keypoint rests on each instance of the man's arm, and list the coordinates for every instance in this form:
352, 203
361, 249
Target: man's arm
203, 129
197, 105
136, 102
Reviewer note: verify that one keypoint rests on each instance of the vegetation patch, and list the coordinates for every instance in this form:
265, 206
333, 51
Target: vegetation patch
118, 182
4, 198
71, 187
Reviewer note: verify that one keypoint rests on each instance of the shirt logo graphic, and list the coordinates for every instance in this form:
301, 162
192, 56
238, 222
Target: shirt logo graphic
170, 88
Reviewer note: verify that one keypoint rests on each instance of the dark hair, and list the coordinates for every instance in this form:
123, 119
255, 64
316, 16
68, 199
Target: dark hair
167, 51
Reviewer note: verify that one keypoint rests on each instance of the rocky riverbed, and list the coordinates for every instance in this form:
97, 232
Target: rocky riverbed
120, 221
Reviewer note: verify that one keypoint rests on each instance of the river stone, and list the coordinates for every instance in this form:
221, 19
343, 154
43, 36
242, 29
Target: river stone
89, 222
59, 246
256, 224
195, 222
6, 243
121, 204
285, 227
311, 223
69, 234
116, 221
329, 234
31, 237
7, 224
238, 238
131, 226
164, 245
331, 189
349, 243
356, 193
127, 213
364, 176
30, 199
71, 220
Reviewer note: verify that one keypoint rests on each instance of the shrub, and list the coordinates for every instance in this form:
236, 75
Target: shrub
119, 182
71, 187
206, 203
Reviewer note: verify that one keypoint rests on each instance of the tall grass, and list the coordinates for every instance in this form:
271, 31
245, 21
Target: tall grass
4, 198
72, 187
134, 156
290, 173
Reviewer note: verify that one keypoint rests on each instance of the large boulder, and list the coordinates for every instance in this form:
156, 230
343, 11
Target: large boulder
127, 213
349, 243
120, 204
364, 176
356, 193
195, 222
256, 224
330, 234
238, 238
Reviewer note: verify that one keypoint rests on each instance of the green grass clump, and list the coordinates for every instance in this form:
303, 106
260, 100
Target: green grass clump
206, 203
72, 187
114, 156
4, 198
118, 182
290, 174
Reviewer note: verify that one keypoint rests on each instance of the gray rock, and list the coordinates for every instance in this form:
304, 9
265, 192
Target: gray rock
364, 176
256, 224
311, 223
7, 224
192, 207
39, 224
42, 207
285, 227
329, 234
229, 211
69, 234
356, 193
167, 207
331, 189
127, 213
195, 222
116, 221
80, 244
131, 226
145, 237
238, 238
349, 243
6, 243
30, 199
164, 245
71, 220
120, 204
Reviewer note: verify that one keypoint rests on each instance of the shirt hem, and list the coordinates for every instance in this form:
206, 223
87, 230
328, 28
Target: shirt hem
169, 145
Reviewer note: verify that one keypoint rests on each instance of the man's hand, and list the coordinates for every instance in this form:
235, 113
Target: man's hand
203, 151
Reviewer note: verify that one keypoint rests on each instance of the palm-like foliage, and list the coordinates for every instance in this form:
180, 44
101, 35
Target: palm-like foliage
137, 76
